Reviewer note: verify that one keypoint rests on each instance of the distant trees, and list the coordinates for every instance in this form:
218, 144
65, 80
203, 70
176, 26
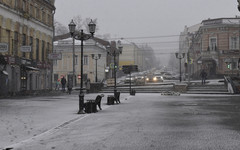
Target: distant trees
60, 29
80, 24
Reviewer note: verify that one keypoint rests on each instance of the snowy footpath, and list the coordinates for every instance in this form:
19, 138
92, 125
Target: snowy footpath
23, 119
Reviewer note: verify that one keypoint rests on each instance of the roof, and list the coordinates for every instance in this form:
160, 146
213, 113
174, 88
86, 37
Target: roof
221, 21
66, 39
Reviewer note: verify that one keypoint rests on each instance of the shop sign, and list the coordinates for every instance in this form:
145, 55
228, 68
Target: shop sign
25, 49
3, 47
55, 56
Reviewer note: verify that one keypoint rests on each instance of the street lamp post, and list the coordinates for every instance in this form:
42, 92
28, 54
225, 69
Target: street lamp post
73, 25
82, 37
180, 56
238, 5
115, 53
96, 57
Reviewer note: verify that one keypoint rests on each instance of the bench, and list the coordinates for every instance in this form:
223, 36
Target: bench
113, 98
91, 105
117, 97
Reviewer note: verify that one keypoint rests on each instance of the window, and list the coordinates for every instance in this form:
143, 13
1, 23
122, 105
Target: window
213, 43
48, 49
48, 21
76, 59
37, 49
8, 39
55, 62
15, 43
43, 52
0, 33
233, 43
37, 13
23, 44
55, 77
31, 44
85, 60
43, 17
31, 11
24, 6
16, 4
234, 65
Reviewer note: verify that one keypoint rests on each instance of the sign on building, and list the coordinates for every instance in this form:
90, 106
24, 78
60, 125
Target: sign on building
55, 56
25, 49
3, 47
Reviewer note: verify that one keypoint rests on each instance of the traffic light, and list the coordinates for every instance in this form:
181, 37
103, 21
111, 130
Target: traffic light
134, 68
229, 66
125, 69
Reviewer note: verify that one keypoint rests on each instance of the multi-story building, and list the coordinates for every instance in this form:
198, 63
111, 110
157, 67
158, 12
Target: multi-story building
186, 47
26, 37
142, 56
215, 47
64, 66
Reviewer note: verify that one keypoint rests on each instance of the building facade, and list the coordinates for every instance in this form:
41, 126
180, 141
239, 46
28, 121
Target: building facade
186, 46
64, 66
143, 56
26, 39
215, 47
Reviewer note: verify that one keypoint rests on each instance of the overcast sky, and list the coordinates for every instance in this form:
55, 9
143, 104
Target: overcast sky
145, 18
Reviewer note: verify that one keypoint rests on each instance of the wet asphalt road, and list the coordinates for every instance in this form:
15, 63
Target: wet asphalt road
151, 122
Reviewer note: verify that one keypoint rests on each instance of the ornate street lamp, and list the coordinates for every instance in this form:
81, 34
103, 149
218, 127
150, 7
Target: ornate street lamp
113, 51
82, 37
96, 57
72, 27
180, 56
238, 5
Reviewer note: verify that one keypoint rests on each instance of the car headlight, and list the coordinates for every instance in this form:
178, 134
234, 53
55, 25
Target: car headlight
155, 79
162, 77
147, 79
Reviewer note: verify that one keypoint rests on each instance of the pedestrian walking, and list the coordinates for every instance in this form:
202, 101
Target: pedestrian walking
63, 82
87, 83
70, 86
57, 84
203, 75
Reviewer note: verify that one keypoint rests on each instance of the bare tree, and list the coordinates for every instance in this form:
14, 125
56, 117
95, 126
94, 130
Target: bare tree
79, 22
60, 29
86, 22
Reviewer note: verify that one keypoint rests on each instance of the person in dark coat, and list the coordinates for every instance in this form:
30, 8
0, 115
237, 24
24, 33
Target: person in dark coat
203, 75
70, 86
98, 101
87, 83
63, 82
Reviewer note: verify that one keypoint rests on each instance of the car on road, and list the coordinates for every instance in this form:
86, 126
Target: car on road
154, 78
128, 79
140, 79
167, 76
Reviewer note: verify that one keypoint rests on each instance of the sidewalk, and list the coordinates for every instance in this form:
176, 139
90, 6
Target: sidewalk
145, 122
28, 118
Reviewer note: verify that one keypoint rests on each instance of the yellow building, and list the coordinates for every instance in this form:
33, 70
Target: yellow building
143, 57
26, 37
64, 66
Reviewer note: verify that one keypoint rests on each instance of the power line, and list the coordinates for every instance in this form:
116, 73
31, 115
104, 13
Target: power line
146, 37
